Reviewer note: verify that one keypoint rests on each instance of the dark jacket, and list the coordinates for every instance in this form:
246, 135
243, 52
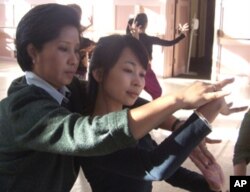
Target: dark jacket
133, 169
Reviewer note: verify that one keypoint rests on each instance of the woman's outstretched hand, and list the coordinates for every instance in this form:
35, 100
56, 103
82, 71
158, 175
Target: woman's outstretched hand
200, 93
183, 28
227, 109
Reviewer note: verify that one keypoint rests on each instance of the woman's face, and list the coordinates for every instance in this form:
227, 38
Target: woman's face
125, 80
58, 60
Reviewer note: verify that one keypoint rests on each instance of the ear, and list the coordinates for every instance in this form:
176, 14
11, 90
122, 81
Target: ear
98, 75
32, 52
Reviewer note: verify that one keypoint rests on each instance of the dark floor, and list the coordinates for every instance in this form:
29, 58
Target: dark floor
200, 68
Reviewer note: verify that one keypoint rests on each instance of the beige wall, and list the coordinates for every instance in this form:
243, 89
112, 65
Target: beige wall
231, 49
110, 16
10, 13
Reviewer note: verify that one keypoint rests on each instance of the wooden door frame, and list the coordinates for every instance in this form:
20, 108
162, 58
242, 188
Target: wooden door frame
181, 48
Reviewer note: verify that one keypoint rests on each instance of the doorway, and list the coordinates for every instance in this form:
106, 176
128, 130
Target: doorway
202, 45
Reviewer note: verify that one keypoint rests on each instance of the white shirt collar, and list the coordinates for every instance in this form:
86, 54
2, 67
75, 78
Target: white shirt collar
58, 95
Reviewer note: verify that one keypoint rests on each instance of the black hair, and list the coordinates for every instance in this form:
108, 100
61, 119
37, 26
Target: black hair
130, 22
106, 53
40, 25
77, 8
141, 19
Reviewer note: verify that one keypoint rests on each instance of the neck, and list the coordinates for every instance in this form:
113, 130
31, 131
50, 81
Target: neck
105, 105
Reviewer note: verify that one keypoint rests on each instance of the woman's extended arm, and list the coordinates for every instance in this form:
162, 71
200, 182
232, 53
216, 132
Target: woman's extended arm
144, 118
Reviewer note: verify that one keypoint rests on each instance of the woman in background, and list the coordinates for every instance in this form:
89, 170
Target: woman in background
86, 45
139, 23
241, 156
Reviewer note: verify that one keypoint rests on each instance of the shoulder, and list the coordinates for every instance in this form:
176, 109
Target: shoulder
78, 96
78, 87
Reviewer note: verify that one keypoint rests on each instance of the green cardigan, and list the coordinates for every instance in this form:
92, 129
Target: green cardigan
39, 138
242, 146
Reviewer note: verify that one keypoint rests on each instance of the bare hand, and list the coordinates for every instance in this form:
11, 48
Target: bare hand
227, 110
212, 141
201, 154
90, 20
183, 28
208, 166
200, 93
134, 30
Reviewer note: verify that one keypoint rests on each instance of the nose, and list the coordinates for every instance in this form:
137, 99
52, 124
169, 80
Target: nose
138, 81
74, 58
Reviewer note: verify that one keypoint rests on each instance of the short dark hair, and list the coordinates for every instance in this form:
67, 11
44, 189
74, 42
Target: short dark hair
40, 25
106, 53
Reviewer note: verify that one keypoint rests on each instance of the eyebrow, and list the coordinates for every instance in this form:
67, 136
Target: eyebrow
131, 62
134, 64
69, 43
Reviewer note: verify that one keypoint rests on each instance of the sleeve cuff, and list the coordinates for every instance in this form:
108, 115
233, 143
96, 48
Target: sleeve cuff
203, 119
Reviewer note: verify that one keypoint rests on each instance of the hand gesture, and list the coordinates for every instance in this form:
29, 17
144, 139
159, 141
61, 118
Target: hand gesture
208, 166
227, 110
200, 93
183, 28
90, 20
134, 30
84, 28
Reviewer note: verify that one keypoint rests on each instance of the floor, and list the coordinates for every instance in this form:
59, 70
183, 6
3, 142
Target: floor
224, 127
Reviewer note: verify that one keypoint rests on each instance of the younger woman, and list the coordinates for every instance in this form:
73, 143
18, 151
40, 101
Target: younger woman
116, 78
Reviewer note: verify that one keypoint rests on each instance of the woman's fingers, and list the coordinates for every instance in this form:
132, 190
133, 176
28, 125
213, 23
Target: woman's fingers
212, 141
200, 93
220, 84
215, 95
229, 110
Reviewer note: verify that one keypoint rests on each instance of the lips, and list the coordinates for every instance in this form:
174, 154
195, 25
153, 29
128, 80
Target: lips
70, 72
133, 94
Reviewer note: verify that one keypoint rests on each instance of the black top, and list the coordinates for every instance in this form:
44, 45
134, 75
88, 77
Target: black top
149, 41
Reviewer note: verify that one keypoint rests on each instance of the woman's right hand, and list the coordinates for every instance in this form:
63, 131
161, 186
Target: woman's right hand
183, 28
134, 30
200, 93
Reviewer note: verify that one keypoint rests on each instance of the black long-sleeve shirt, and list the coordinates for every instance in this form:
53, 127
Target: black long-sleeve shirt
148, 41
133, 169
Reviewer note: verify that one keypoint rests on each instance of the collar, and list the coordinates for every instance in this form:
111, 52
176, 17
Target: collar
58, 95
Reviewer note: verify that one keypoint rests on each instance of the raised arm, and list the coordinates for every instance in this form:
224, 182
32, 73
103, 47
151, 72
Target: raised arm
144, 118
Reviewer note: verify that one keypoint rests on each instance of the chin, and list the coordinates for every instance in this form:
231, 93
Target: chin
130, 103
68, 81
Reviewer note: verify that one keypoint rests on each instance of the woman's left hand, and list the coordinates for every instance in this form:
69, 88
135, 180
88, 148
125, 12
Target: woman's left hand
227, 109
207, 164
